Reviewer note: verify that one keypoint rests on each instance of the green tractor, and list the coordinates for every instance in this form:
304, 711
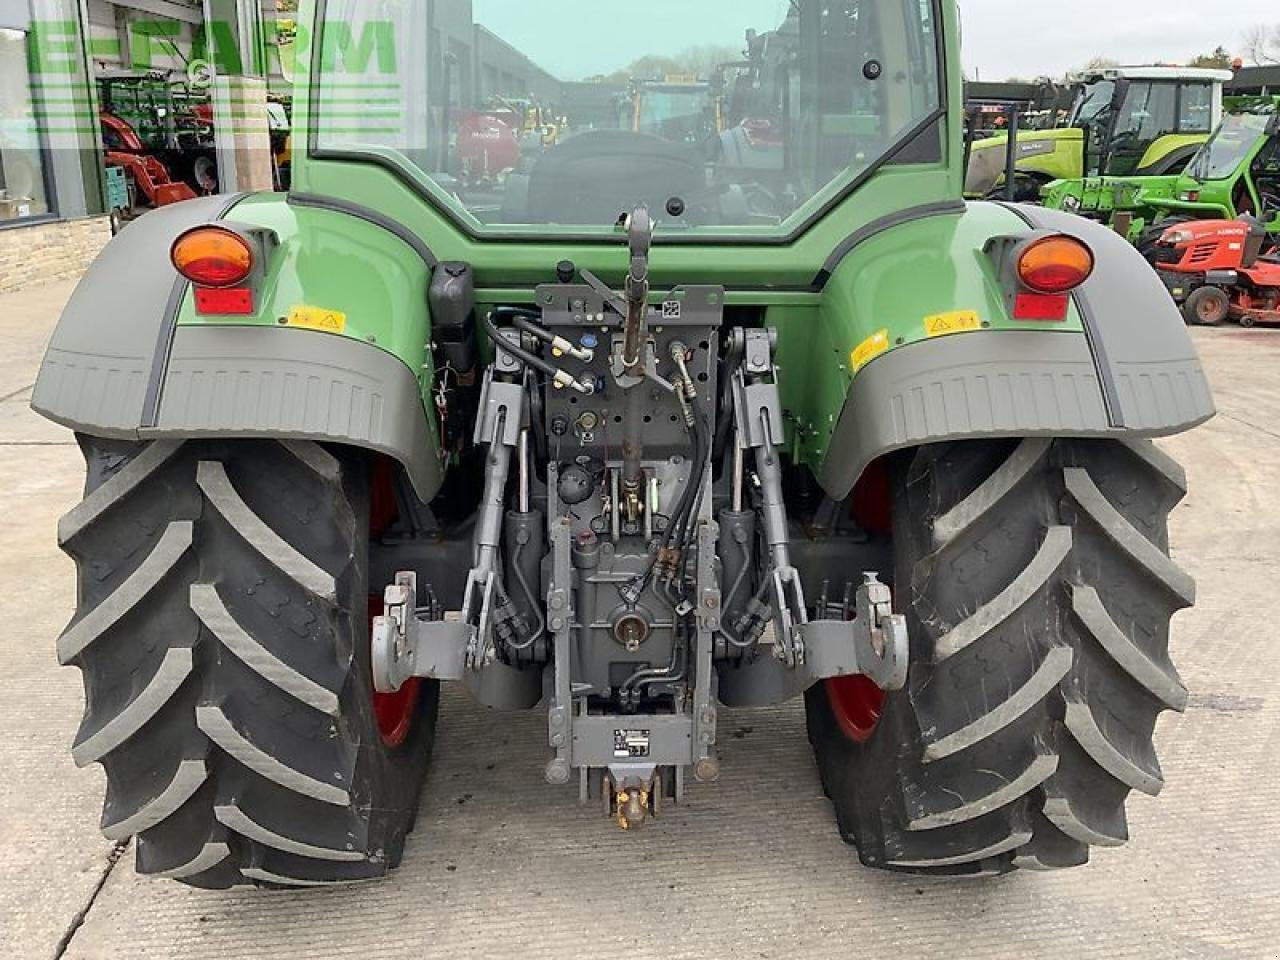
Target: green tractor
1128, 120
679, 108
624, 452
1236, 173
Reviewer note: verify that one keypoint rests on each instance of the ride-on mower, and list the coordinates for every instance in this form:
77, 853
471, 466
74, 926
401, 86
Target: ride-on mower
626, 451
1222, 269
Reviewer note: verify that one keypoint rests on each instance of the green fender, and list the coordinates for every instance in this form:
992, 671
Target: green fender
879, 372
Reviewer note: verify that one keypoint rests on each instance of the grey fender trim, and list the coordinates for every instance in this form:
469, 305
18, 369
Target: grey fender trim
101, 371
1003, 384
226, 381
1134, 328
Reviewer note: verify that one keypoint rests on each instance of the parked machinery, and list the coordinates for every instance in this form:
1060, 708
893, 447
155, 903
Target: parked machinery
1125, 121
1236, 173
1222, 269
160, 134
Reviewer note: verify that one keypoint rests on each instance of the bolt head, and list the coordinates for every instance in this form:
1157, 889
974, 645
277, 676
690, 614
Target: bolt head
706, 770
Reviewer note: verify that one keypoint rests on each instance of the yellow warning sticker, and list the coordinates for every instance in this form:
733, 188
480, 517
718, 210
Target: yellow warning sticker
957, 321
869, 349
318, 318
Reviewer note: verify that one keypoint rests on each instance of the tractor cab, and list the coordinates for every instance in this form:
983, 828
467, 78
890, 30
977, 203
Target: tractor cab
815, 103
1123, 121
1239, 168
753, 99
677, 108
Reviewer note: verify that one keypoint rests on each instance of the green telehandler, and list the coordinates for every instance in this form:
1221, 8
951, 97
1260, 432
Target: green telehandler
619, 448
1237, 173
1125, 120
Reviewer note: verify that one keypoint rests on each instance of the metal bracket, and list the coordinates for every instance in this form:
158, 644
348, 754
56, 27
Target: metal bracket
408, 643
873, 644
496, 399
477, 610
880, 640
788, 594
756, 405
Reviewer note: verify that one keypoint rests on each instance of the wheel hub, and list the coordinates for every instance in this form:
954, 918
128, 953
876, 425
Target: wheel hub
858, 705
394, 712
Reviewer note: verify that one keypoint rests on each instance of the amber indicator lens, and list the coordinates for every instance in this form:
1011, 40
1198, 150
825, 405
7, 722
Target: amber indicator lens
1055, 265
212, 257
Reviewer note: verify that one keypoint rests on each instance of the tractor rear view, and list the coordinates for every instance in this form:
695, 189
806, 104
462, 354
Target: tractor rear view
632, 438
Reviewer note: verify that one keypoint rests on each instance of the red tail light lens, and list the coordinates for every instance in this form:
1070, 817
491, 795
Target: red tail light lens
1055, 265
212, 257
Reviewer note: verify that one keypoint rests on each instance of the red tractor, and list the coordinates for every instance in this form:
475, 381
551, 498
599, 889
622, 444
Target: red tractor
150, 176
1222, 269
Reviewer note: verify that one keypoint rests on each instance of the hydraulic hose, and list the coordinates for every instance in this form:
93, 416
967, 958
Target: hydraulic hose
681, 510
724, 422
501, 343
559, 377
738, 643
685, 504
523, 645
675, 671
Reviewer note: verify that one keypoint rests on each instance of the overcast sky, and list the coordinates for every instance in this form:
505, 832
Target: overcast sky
1030, 38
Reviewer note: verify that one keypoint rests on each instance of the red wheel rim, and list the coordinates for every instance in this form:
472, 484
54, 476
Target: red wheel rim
857, 704
395, 712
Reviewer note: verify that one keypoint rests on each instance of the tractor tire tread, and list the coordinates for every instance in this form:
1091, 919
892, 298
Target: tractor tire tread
1038, 587
222, 594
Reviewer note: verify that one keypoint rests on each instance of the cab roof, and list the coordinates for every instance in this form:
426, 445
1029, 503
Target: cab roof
1156, 73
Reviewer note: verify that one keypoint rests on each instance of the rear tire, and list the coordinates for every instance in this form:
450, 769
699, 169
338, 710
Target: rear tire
1207, 307
1038, 589
1026, 189
222, 633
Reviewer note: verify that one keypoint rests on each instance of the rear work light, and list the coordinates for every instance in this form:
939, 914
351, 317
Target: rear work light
1055, 265
211, 256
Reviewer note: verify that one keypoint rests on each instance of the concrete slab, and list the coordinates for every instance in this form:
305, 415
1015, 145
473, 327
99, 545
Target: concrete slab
54, 855
504, 866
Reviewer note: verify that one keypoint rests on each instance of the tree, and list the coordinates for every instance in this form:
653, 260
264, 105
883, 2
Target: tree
1101, 63
694, 62
1262, 44
1220, 59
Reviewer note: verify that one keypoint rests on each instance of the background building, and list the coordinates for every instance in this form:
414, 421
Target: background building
53, 195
